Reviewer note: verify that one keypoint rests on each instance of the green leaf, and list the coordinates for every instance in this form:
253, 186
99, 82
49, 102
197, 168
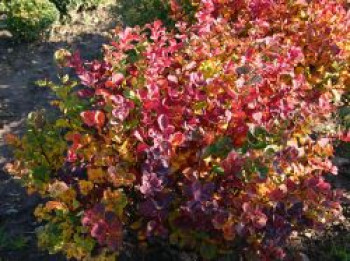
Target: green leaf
129, 125
219, 170
131, 95
262, 171
41, 173
76, 204
200, 105
219, 149
208, 251
62, 123
258, 138
87, 243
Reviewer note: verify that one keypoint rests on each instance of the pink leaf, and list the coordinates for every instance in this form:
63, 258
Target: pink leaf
163, 122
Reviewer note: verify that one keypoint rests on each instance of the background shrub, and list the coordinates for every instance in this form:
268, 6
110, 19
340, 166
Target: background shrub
141, 12
343, 148
2, 7
66, 6
28, 19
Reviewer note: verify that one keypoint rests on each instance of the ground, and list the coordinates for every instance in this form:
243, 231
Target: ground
20, 66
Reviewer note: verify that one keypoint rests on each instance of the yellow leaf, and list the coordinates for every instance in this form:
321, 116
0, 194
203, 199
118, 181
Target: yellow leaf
136, 225
125, 152
121, 177
69, 196
85, 187
96, 175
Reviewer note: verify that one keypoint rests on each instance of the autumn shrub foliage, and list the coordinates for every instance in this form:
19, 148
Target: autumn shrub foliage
214, 136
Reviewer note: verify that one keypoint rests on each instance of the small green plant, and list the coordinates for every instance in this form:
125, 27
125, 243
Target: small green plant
3, 238
9, 243
340, 251
19, 243
28, 19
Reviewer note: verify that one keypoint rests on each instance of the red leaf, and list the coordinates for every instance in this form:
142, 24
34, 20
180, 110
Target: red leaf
142, 147
103, 92
345, 136
177, 139
93, 118
100, 118
109, 84
279, 193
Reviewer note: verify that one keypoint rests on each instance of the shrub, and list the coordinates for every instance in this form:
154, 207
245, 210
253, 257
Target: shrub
210, 137
343, 148
2, 7
344, 111
141, 12
65, 6
28, 19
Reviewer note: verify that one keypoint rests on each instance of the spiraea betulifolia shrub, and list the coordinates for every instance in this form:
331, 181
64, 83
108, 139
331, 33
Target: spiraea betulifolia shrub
213, 137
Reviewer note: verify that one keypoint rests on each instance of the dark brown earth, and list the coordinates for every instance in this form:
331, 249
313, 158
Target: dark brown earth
20, 66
